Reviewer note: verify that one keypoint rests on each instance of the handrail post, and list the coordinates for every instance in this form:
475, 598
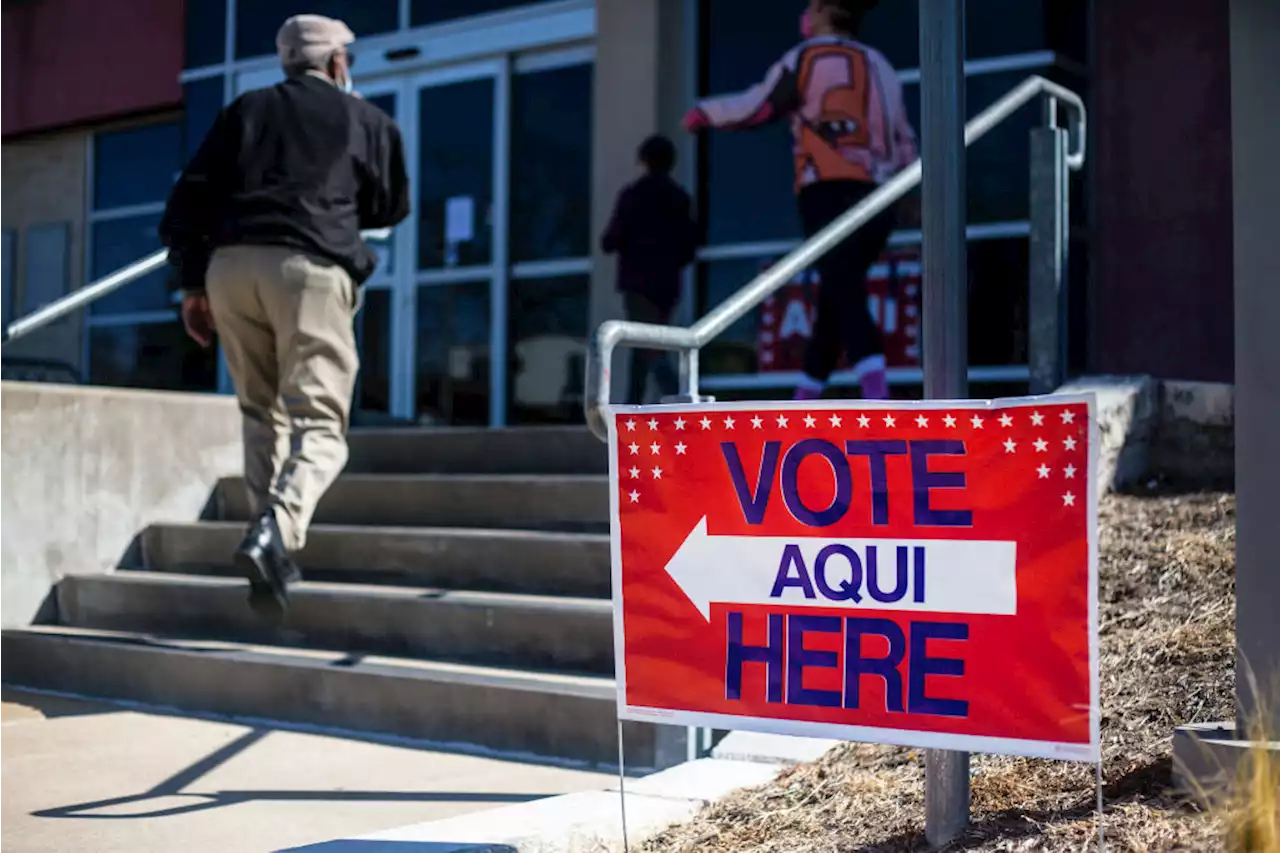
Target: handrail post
945, 350
1047, 253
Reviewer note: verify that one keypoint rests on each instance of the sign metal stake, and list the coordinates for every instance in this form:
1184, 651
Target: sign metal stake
945, 293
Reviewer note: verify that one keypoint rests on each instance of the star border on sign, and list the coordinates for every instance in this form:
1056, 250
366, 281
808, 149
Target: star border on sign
705, 422
949, 420
810, 421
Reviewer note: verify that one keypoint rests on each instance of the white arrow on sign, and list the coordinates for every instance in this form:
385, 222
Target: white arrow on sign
960, 575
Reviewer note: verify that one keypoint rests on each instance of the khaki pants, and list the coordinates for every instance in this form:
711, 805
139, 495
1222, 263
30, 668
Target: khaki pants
285, 321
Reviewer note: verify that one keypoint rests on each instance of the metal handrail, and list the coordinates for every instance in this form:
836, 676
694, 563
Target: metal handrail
60, 308
106, 285
687, 341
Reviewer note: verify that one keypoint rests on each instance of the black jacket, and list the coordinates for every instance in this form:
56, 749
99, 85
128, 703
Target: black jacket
298, 164
653, 232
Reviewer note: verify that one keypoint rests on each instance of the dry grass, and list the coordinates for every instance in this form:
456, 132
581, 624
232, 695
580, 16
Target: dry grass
1167, 639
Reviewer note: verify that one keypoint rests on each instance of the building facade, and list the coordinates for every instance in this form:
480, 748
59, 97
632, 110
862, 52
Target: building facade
521, 121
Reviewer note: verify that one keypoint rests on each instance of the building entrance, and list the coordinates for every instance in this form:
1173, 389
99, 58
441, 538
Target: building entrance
478, 311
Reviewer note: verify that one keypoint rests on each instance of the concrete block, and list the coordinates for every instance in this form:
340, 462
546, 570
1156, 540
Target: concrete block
496, 629
1195, 440
510, 712
1207, 756
521, 561
520, 450
85, 469
771, 749
1127, 413
560, 502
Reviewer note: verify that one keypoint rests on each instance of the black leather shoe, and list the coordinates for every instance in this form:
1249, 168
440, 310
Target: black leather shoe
262, 559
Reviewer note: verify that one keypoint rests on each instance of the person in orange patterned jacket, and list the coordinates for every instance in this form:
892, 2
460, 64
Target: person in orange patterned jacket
851, 133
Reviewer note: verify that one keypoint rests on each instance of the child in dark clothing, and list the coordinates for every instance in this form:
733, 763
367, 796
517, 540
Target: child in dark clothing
851, 134
653, 233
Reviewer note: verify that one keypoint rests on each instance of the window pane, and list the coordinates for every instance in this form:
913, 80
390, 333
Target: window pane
998, 301
742, 37
453, 353
373, 338
551, 164
155, 355
206, 29
434, 11
116, 243
455, 174
734, 351
997, 311
258, 22
548, 341
47, 261
9, 262
136, 166
203, 100
750, 186
998, 165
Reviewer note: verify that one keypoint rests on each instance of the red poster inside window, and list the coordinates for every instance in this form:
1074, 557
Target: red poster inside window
921, 574
786, 318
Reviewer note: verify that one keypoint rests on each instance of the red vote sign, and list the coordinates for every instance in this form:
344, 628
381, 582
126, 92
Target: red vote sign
922, 574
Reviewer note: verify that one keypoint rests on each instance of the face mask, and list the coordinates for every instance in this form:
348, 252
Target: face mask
806, 26
346, 85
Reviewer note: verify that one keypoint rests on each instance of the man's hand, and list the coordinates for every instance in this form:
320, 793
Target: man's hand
197, 318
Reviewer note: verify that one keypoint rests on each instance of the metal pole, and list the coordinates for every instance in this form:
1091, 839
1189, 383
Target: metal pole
945, 330
1048, 259
1255, 135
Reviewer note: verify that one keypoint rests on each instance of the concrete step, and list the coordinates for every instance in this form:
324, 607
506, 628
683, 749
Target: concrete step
561, 502
521, 561
484, 628
516, 450
510, 711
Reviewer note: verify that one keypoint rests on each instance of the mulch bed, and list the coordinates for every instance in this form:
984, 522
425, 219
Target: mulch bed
1167, 616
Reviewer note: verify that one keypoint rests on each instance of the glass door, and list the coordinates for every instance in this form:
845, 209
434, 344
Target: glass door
459, 170
550, 235
372, 403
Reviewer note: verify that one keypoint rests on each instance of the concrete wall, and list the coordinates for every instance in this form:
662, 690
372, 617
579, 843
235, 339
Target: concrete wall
44, 184
86, 469
639, 90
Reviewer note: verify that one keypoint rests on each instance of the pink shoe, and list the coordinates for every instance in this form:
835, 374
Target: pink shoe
875, 385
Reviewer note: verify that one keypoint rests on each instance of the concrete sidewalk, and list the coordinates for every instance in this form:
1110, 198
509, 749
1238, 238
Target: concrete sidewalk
88, 776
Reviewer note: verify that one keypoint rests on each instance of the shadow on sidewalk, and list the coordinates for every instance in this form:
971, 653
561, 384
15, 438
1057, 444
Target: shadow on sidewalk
173, 786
